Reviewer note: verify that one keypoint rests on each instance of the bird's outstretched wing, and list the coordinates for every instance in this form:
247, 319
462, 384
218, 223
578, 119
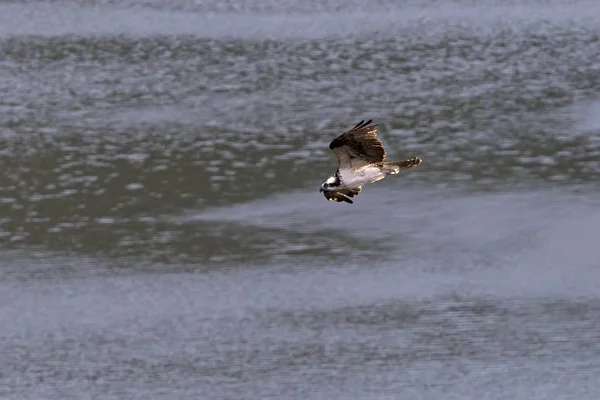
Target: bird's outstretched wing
358, 147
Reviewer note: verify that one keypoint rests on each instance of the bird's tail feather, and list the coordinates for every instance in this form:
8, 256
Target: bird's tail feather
393, 167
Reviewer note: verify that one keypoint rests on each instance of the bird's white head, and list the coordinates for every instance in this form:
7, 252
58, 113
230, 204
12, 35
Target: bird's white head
331, 183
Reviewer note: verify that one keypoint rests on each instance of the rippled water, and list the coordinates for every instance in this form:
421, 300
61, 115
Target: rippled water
162, 235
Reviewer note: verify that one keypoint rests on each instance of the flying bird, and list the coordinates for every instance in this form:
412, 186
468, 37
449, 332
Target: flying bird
361, 157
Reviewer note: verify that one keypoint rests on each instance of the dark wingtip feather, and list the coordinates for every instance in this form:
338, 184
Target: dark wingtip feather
359, 124
362, 124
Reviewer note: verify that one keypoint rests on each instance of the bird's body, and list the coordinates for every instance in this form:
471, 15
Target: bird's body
361, 157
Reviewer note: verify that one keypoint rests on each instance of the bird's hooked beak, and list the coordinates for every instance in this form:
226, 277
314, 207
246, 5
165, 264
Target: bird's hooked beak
320, 190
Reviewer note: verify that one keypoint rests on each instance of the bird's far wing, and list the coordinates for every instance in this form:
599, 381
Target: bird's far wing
358, 147
337, 197
351, 192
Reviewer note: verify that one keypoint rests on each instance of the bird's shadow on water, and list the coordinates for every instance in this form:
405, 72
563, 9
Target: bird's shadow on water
303, 224
443, 230
308, 209
244, 245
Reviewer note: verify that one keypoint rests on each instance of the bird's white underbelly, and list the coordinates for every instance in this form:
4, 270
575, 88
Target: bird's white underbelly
361, 177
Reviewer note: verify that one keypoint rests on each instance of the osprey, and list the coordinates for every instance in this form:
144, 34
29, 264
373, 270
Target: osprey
360, 156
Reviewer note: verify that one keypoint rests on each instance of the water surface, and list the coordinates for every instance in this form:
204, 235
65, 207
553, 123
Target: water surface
162, 235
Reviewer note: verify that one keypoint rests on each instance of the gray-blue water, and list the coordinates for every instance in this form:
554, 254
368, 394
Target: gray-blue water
162, 235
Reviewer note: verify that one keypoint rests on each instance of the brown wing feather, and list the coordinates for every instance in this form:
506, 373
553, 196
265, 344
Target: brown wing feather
358, 147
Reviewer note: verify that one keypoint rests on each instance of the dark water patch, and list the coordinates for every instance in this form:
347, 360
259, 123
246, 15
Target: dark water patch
143, 247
